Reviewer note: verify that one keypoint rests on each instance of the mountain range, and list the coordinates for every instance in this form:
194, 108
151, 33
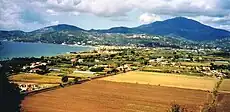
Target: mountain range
178, 27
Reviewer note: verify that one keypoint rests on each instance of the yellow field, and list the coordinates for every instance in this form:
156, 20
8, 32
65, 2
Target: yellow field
35, 78
195, 64
165, 79
225, 85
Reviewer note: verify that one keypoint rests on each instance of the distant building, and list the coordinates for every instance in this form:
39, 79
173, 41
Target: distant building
80, 60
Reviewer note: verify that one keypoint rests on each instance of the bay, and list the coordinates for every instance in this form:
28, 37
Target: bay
10, 49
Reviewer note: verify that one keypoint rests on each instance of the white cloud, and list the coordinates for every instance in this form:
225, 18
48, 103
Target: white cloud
9, 15
217, 22
54, 22
51, 12
122, 7
74, 13
211, 12
148, 18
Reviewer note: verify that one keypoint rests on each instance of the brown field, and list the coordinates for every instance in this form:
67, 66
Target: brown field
165, 79
225, 86
106, 96
223, 102
35, 78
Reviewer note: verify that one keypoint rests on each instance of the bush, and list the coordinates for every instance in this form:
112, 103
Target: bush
64, 79
97, 69
176, 108
76, 80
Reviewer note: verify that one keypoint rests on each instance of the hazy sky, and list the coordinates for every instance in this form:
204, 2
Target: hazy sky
29, 15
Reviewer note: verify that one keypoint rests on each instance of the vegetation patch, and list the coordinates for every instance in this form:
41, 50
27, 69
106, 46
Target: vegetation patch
35, 78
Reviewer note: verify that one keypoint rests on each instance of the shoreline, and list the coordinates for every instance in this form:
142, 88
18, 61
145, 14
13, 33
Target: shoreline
7, 58
70, 45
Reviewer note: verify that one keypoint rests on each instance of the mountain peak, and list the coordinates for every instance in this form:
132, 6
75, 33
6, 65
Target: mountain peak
59, 27
64, 27
182, 19
183, 27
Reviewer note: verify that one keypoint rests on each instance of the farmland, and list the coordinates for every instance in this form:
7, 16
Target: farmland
223, 102
225, 86
35, 78
143, 80
165, 79
98, 95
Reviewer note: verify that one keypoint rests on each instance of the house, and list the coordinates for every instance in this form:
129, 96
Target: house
73, 60
157, 60
37, 64
124, 68
35, 70
26, 87
80, 60
96, 60
25, 67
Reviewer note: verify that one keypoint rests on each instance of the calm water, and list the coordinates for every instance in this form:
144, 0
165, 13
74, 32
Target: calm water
18, 49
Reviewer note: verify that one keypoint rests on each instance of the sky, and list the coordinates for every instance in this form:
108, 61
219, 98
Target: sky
29, 15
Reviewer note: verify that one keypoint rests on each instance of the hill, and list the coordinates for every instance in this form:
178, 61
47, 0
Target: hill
175, 27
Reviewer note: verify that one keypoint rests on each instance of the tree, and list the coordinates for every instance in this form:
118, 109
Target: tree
64, 79
9, 95
97, 69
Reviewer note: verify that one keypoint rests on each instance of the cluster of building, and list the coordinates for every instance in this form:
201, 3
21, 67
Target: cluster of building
36, 67
28, 87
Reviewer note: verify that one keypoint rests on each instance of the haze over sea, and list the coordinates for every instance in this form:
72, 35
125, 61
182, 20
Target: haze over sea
10, 50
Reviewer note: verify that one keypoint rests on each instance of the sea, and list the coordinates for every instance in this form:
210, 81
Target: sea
9, 49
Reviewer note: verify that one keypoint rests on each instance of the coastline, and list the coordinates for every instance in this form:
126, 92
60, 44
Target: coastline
8, 52
71, 45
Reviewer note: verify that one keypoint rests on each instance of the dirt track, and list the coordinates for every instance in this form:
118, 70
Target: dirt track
105, 96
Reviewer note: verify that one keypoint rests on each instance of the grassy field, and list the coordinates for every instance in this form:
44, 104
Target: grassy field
225, 85
195, 63
83, 75
35, 78
165, 79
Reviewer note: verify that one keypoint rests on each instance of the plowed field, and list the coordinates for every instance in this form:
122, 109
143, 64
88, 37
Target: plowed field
106, 96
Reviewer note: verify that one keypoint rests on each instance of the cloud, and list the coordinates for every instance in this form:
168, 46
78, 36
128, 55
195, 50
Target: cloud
218, 22
21, 14
9, 15
54, 22
121, 7
51, 12
105, 8
18, 13
148, 18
